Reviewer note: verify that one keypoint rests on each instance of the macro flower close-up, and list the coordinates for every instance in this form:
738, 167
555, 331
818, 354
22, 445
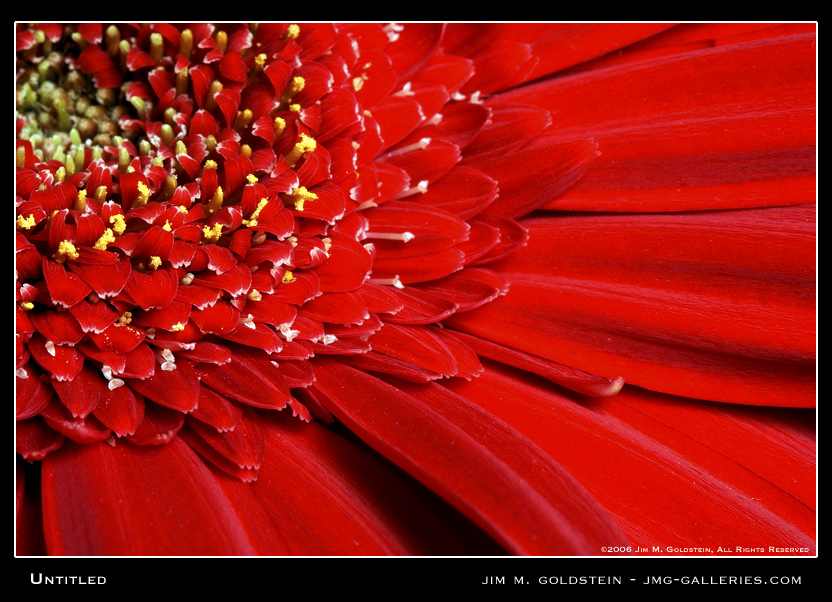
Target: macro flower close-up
415, 289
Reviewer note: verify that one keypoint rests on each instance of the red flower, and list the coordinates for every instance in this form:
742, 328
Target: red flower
307, 290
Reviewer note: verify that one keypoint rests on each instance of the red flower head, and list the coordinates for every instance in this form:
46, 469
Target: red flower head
242, 248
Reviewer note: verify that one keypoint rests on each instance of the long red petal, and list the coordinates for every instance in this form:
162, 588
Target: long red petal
716, 306
746, 137
677, 474
479, 464
113, 501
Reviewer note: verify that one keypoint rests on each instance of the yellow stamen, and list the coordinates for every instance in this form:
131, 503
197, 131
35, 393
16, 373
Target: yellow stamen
215, 203
287, 277
293, 31
26, 305
167, 226
300, 195
252, 179
65, 249
106, 238
212, 233
117, 219
222, 40
186, 43
144, 195
306, 144
179, 326
157, 46
27, 223
80, 200
279, 126
155, 262
252, 221
125, 318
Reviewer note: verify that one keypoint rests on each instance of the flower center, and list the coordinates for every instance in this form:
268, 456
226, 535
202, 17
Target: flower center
201, 212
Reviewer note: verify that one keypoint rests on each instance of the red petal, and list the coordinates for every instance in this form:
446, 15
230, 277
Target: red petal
88, 491
726, 473
158, 426
464, 191
347, 266
34, 439
413, 47
59, 327
81, 395
217, 410
152, 289
94, 317
711, 305
65, 289
337, 308
318, 494
31, 394
249, 377
64, 363
120, 410
485, 468
530, 178
420, 307
244, 445
105, 280
745, 138
177, 389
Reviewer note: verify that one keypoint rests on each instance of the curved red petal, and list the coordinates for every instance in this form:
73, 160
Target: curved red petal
112, 501
447, 441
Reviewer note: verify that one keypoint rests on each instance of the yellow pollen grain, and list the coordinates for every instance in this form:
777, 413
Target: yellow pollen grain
179, 326
260, 59
254, 295
210, 164
212, 233
295, 107
155, 262
279, 126
27, 223
65, 249
119, 226
293, 31
125, 318
167, 227
182, 209
252, 179
26, 305
106, 238
358, 83
287, 277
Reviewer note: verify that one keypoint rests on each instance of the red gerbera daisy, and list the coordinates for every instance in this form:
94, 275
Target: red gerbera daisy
280, 289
